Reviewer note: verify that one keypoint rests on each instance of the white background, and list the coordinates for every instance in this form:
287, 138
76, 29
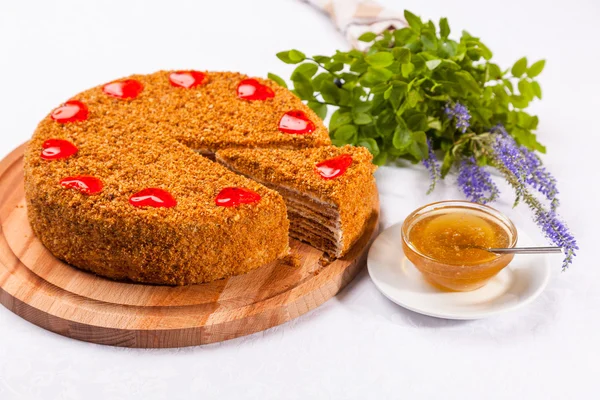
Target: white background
358, 345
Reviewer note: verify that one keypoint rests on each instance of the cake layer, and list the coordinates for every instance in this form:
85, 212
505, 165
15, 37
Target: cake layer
314, 226
314, 240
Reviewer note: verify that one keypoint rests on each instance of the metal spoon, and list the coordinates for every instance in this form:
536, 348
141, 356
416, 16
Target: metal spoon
521, 250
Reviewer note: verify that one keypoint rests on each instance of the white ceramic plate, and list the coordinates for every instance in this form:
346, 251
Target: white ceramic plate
515, 286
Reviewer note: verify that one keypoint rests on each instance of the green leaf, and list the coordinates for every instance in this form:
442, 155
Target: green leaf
404, 36
370, 144
319, 79
319, 108
485, 52
434, 123
334, 66
401, 54
417, 122
536, 68
345, 132
428, 39
377, 75
494, 72
418, 147
413, 21
359, 66
277, 80
444, 28
519, 68
398, 93
433, 64
447, 48
525, 89
322, 59
519, 101
381, 159
380, 60
338, 119
388, 92
367, 37
361, 107
413, 98
385, 124
407, 69
330, 92
291, 56
468, 82
362, 119
306, 70
447, 163
537, 90
402, 137
303, 87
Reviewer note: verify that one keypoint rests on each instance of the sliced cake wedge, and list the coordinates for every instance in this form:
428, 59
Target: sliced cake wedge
329, 192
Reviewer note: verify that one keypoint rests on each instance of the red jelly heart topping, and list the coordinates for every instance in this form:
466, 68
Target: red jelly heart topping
153, 197
233, 196
297, 122
54, 149
334, 167
251, 89
187, 79
85, 184
71, 111
127, 89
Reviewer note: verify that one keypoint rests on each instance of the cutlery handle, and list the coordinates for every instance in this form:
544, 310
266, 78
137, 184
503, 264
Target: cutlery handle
527, 250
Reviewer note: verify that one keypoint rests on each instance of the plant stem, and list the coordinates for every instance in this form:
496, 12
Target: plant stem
325, 68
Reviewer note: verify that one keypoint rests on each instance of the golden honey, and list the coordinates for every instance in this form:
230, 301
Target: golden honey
446, 242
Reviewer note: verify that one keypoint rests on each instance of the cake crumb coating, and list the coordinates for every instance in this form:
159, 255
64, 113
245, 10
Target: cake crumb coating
149, 142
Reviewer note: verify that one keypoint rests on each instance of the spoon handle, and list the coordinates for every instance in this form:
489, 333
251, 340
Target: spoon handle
526, 250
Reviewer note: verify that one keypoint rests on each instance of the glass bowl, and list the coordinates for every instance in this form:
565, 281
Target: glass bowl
459, 276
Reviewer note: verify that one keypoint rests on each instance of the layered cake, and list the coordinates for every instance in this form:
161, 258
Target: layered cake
329, 192
114, 184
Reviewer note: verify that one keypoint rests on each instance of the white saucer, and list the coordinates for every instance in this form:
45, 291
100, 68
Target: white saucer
396, 277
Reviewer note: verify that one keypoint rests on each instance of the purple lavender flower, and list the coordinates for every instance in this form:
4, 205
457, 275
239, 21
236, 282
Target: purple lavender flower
476, 183
558, 233
525, 165
523, 170
432, 165
461, 115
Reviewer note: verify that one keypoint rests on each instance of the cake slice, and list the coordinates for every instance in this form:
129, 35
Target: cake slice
329, 192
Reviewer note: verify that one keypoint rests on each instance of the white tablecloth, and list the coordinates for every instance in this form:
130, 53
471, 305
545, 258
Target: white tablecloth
358, 345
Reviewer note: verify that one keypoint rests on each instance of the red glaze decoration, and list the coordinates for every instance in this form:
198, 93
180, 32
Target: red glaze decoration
233, 196
187, 79
334, 167
297, 122
153, 197
251, 89
71, 111
55, 149
127, 89
85, 184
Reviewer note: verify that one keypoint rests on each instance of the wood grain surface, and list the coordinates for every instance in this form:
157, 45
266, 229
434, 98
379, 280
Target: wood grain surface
65, 300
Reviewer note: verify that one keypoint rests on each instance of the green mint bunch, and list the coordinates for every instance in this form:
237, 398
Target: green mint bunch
394, 98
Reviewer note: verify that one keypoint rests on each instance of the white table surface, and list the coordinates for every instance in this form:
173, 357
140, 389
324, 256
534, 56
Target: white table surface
358, 345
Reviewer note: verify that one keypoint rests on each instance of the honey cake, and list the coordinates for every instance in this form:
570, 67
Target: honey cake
114, 185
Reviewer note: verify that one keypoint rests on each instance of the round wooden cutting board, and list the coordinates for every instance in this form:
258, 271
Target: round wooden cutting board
68, 301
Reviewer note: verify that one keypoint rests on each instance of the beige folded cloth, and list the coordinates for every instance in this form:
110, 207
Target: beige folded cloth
355, 17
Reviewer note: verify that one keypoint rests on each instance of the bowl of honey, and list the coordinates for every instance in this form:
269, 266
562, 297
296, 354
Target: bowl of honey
446, 242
